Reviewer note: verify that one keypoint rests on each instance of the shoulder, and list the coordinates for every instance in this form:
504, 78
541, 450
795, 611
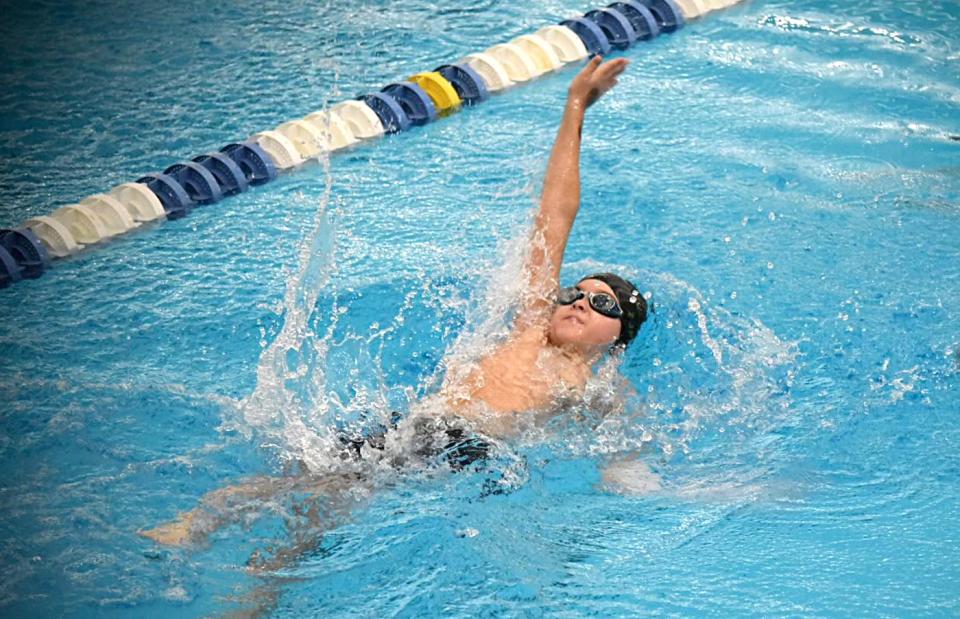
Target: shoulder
534, 334
522, 347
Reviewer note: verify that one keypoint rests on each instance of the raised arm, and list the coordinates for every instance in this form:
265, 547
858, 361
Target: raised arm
560, 200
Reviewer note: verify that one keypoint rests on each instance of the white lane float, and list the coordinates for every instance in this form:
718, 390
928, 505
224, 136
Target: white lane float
114, 215
338, 132
255, 161
520, 67
363, 121
306, 138
142, 204
701, 7
688, 8
540, 51
280, 148
568, 46
82, 223
490, 69
55, 236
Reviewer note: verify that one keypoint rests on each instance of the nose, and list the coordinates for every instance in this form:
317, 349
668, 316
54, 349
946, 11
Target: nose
581, 304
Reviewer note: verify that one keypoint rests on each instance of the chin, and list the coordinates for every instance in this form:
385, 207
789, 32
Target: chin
565, 335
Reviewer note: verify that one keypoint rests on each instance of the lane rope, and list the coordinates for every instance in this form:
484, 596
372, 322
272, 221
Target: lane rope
27, 250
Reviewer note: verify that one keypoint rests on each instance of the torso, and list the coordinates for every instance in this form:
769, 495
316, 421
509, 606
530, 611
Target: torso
523, 374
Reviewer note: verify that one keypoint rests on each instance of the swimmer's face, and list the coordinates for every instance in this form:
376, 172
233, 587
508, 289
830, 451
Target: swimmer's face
580, 325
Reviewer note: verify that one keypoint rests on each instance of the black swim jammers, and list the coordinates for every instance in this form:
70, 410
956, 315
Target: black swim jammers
440, 440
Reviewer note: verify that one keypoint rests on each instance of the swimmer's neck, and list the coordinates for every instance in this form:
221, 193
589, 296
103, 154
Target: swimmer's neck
584, 356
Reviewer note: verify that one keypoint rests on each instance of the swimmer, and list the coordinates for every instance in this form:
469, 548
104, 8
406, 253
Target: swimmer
558, 335
557, 339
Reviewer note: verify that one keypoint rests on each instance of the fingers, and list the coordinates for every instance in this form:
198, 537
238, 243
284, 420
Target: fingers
592, 65
614, 67
596, 78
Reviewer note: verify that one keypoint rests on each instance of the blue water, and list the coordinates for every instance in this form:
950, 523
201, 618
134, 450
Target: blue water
779, 176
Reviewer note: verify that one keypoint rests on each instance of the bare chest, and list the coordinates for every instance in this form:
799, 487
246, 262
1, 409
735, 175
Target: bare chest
524, 375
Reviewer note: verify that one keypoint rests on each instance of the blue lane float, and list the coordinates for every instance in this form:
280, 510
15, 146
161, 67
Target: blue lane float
388, 110
174, 198
10, 271
254, 162
590, 33
198, 182
642, 19
620, 32
467, 82
228, 174
398, 106
414, 100
668, 14
27, 251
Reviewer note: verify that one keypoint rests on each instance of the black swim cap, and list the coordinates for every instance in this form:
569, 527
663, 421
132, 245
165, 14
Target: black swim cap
632, 303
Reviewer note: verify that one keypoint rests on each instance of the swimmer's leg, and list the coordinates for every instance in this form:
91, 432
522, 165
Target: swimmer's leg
215, 510
327, 504
262, 601
228, 505
174, 533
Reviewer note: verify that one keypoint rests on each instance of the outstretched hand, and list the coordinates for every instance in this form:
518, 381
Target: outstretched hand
595, 79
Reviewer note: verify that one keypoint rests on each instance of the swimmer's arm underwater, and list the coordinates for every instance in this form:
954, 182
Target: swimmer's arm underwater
560, 200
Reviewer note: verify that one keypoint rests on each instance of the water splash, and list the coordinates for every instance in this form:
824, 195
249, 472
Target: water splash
276, 410
707, 384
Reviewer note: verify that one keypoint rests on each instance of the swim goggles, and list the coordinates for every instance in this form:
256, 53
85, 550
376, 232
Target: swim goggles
601, 302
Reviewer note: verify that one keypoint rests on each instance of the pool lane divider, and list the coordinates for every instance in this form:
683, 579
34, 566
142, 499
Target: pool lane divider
26, 251
441, 91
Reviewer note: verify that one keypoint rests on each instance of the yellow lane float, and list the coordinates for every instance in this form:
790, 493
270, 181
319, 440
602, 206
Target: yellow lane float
441, 91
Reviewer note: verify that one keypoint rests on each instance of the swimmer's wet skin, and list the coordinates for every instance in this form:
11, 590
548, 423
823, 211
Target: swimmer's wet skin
557, 339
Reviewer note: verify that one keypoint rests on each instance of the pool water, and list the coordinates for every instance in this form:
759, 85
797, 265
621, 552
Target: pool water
779, 176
